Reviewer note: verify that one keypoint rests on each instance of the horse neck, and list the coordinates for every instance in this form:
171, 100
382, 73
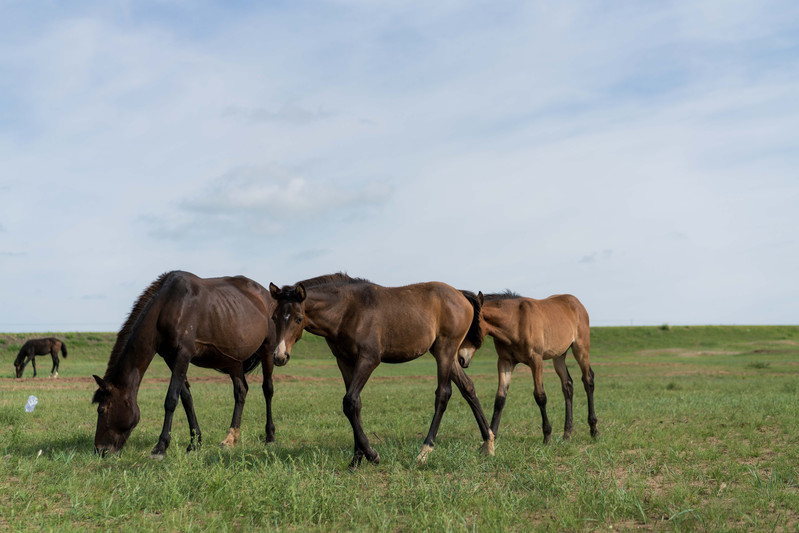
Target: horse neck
132, 363
322, 312
496, 321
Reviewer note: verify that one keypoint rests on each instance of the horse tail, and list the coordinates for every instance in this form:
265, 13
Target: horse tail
64, 349
249, 364
475, 333
252, 362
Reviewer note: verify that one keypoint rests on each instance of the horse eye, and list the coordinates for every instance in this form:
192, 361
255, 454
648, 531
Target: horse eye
298, 320
100, 410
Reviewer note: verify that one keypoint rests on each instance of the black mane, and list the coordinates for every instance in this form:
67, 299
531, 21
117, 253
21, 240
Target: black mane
127, 327
339, 278
507, 294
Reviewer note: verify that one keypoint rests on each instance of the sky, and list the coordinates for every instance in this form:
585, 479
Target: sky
643, 156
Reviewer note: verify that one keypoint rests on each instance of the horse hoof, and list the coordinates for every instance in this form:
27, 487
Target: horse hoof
422, 457
488, 448
231, 439
157, 456
375, 459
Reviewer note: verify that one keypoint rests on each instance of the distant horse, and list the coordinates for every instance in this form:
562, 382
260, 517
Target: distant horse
35, 347
365, 324
220, 323
528, 331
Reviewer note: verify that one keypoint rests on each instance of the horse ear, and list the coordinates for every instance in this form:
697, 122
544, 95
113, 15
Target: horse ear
301, 292
100, 382
480, 297
274, 290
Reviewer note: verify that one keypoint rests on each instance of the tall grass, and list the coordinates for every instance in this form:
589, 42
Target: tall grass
700, 431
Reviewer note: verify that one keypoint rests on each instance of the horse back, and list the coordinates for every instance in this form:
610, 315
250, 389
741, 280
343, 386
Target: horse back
553, 324
230, 314
401, 322
40, 346
437, 305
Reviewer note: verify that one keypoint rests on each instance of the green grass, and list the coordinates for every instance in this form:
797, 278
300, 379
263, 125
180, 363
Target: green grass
700, 431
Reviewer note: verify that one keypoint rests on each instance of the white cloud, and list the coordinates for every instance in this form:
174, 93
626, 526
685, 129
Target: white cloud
266, 201
490, 145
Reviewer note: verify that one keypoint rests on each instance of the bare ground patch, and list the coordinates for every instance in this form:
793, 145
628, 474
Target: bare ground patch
683, 352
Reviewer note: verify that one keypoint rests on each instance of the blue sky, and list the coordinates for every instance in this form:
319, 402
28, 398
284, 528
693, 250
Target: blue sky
642, 156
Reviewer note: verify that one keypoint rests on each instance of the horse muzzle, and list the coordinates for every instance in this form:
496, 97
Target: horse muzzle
281, 356
104, 451
464, 358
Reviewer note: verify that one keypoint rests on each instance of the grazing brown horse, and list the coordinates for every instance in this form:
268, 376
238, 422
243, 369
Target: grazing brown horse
366, 324
220, 323
528, 331
35, 347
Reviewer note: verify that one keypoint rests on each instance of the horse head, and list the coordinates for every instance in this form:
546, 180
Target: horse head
474, 337
289, 319
117, 415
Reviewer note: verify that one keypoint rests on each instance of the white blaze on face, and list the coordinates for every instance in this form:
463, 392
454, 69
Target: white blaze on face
281, 349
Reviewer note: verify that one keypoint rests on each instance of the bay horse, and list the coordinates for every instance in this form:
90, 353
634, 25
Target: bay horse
34, 347
366, 324
220, 323
529, 331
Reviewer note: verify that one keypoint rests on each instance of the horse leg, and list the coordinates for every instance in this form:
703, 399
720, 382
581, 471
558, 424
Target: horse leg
466, 387
347, 371
179, 368
194, 428
541, 396
54, 356
267, 362
32, 359
567, 386
504, 371
240, 389
444, 364
195, 435
358, 377
580, 353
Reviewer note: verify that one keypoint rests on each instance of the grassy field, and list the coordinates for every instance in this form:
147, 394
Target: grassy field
700, 431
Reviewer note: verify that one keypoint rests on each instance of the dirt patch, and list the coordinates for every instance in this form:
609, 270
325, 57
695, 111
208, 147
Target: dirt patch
683, 352
773, 352
66, 383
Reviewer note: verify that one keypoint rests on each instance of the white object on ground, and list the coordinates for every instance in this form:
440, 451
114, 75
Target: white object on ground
31, 405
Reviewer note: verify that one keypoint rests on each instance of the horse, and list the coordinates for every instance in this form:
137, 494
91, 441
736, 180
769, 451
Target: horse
529, 331
366, 324
35, 347
221, 323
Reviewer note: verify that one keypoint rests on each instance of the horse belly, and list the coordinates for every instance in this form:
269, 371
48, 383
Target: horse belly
556, 350
233, 335
402, 348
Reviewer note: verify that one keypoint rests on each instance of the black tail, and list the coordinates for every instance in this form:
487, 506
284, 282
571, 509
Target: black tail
252, 363
63, 349
475, 334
